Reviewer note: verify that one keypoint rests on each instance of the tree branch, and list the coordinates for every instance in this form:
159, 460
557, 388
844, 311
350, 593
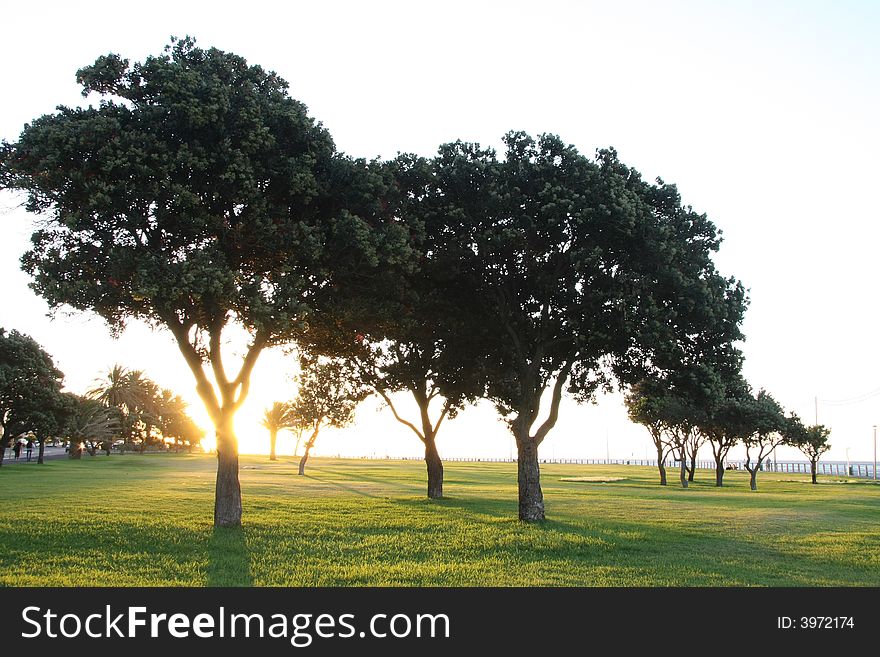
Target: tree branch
550, 422
443, 415
203, 387
243, 380
396, 416
215, 355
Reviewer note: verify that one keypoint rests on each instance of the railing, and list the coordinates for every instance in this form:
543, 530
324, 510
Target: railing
833, 468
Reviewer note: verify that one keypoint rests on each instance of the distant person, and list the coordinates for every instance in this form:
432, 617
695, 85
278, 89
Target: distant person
16, 449
29, 447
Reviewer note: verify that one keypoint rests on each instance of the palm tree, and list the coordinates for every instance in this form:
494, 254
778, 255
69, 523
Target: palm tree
89, 421
114, 389
134, 395
277, 417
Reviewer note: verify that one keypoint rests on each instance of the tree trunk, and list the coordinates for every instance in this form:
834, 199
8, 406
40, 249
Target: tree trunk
227, 493
76, 450
692, 468
305, 457
273, 438
753, 479
682, 475
719, 472
531, 497
661, 466
813, 468
435, 468
40, 451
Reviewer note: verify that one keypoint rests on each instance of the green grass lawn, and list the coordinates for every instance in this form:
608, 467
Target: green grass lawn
145, 520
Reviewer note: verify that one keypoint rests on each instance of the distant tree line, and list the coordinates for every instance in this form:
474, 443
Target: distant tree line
125, 406
695, 406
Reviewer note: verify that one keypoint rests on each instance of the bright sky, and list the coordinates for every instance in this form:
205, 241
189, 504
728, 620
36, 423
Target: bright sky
765, 114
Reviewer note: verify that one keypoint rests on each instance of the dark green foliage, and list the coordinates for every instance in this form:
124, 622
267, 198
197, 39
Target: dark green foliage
584, 274
30, 390
768, 428
811, 440
198, 194
327, 392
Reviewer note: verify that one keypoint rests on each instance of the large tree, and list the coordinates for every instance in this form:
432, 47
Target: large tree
197, 196
585, 273
405, 331
30, 388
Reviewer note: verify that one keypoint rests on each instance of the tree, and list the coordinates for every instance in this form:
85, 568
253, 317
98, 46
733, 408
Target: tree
133, 395
89, 422
586, 274
196, 197
30, 386
275, 418
768, 426
328, 392
174, 422
811, 440
728, 423
646, 405
395, 328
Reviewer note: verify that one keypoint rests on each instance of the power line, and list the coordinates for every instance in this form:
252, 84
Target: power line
858, 399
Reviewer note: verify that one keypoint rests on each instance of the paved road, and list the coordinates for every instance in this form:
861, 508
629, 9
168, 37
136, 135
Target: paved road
50, 453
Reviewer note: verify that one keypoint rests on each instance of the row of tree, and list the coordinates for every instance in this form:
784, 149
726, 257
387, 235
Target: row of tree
688, 409
124, 406
199, 195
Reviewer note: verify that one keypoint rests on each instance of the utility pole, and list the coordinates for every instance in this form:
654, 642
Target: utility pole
875, 452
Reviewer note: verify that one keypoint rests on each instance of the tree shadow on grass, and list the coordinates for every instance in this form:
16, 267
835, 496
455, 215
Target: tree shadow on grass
229, 562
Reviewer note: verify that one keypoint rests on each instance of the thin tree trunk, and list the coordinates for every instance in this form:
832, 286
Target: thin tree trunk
682, 475
41, 450
435, 468
692, 468
813, 468
309, 444
753, 478
531, 497
227, 493
661, 466
273, 438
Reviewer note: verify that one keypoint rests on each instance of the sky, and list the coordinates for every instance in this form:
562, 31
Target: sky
765, 114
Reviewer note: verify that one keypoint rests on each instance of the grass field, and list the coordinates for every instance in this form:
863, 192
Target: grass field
146, 521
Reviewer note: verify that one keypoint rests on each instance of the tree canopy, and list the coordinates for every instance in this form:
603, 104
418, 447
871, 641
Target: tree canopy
196, 195
586, 274
30, 389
